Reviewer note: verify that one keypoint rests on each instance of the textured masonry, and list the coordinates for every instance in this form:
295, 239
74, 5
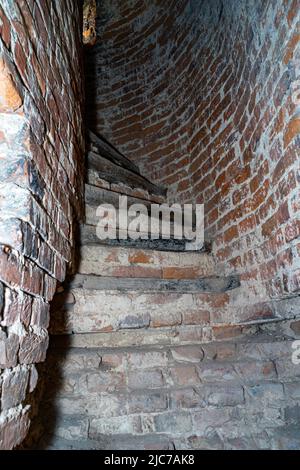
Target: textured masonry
201, 95
41, 155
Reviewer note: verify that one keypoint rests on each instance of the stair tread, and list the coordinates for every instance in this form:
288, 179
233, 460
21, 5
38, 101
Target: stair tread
114, 173
94, 196
146, 222
253, 338
193, 258
205, 284
177, 335
88, 236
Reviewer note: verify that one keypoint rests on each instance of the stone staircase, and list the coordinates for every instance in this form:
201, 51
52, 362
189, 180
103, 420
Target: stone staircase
145, 353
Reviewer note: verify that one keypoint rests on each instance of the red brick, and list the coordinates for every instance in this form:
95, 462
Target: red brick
293, 130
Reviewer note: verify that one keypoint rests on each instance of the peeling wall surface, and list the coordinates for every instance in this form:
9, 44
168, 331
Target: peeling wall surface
41, 159
202, 96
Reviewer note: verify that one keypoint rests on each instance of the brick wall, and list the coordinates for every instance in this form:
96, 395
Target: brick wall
202, 95
41, 155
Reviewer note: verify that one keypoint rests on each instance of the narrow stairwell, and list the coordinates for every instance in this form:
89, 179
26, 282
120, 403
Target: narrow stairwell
145, 352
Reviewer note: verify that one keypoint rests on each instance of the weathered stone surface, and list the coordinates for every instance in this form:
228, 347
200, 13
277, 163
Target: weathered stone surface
179, 423
33, 347
165, 355
226, 396
132, 262
8, 350
41, 193
185, 375
145, 379
119, 425
188, 354
103, 381
147, 402
147, 359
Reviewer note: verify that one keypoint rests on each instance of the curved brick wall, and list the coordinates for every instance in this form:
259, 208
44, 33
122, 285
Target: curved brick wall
41, 154
200, 95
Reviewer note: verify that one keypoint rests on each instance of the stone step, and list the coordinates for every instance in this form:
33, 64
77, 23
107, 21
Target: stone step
100, 145
162, 397
165, 233
207, 357
94, 179
176, 335
94, 196
133, 262
93, 304
148, 227
88, 236
114, 173
130, 318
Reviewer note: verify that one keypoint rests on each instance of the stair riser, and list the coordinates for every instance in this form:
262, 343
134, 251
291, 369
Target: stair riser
120, 262
210, 285
94, 196
88, 236
106, 311
94, 179
113, 173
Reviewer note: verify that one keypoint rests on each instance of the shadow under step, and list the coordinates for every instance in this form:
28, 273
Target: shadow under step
88, 236
209, 284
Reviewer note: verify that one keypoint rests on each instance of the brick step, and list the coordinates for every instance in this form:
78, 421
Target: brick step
149, 228
209, 364
176, 335
88, 236
160, 337
100, 145
113, 173
120, 441
165, 397
284, 438
94, 196
133, 262
211, 284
